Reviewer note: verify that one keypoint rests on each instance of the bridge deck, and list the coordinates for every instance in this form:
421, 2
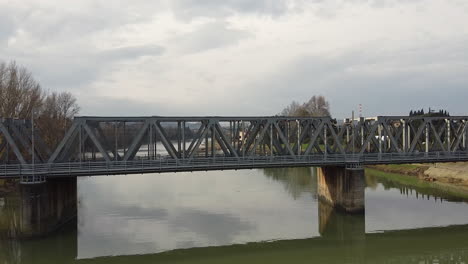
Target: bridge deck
125, 145
94, 168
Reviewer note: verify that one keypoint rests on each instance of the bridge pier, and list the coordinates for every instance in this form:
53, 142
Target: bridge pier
31, 210
342, 188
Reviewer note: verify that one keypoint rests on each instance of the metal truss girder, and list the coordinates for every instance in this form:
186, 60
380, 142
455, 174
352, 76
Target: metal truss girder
225, 141
393, 141
62, 143
199, 141
96, 142
106, 143
252, 135
461, 130
136, 143
302, 136
196, 137
285, 141
262, 133
370, 136
12, 143
314, 137
166, 143
337, 141
418, 135
437, 135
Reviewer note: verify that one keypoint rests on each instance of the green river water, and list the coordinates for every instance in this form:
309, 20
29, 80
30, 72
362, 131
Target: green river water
247, 216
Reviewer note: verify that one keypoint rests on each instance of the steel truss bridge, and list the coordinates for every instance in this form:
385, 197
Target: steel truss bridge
126, 145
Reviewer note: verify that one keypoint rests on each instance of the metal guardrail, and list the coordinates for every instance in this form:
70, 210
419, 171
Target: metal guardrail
30, 172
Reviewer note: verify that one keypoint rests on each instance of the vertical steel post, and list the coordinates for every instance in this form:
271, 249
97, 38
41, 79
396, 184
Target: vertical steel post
403, 135
32, 143
298, 137
213, 136
380, 139
325, 139
124, 138
115, 139
80, 144
150, 143
448, 135
206, 141
362, 131
178, 139
183, 139
347, 134
242, 142
427, 137
408, 139
271, 139
464, 136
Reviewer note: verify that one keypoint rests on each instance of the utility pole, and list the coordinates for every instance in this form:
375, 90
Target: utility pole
32, 144
354, 129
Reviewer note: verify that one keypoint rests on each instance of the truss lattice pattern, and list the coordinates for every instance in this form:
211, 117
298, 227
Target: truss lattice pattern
111, 139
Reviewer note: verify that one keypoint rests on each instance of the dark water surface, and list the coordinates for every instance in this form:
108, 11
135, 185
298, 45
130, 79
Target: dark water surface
250, 216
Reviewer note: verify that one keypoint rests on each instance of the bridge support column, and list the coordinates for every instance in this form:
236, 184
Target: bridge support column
37, 209
342, 188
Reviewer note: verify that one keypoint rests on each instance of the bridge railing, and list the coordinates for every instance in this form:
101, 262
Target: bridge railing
221, 162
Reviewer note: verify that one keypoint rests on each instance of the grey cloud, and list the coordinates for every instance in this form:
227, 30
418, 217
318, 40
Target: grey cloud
7, 28
108, 106
384, 82
209, 36
187, 9
131, 52
64, 70
220, 228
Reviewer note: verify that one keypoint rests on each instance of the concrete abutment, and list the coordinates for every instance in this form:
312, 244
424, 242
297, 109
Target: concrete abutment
342, 188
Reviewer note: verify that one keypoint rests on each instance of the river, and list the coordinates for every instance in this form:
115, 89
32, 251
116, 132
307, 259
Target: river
250, 216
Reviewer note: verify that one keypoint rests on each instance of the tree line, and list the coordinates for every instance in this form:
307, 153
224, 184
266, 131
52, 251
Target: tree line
430, 113
22, 97
316, 106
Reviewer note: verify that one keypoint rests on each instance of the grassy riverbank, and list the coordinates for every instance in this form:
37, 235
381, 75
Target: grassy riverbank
451, 178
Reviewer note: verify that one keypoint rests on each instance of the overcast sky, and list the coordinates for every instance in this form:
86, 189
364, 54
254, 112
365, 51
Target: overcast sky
243, 57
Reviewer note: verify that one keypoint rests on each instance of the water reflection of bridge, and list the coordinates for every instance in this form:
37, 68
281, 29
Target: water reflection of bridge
342, 240
342, 237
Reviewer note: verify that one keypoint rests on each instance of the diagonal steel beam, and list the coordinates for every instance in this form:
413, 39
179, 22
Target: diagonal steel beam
136, 143
96, 142
459, 136
335, 137
251, 137
262, 133
196, 137
106, 143
437, 135
12, 143
167, 144
64, 141
390, 136
283, 138
314, 137
369, 137
199, 140
224, 140
417, 136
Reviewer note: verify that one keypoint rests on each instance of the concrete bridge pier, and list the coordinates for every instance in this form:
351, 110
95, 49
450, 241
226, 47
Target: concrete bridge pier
342, 188
30, 210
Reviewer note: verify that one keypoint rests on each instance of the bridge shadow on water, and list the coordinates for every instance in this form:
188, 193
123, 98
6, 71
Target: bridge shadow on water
31, 212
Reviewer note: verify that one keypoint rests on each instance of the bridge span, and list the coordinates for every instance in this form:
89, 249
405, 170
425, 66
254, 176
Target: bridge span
129, 145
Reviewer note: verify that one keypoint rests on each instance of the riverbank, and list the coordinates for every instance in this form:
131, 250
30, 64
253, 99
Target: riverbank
448, 176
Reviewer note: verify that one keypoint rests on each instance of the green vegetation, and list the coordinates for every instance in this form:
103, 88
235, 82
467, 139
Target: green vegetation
445, 191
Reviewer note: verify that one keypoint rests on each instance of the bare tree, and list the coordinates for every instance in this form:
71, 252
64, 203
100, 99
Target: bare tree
19, 92
20, 95
316, 106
